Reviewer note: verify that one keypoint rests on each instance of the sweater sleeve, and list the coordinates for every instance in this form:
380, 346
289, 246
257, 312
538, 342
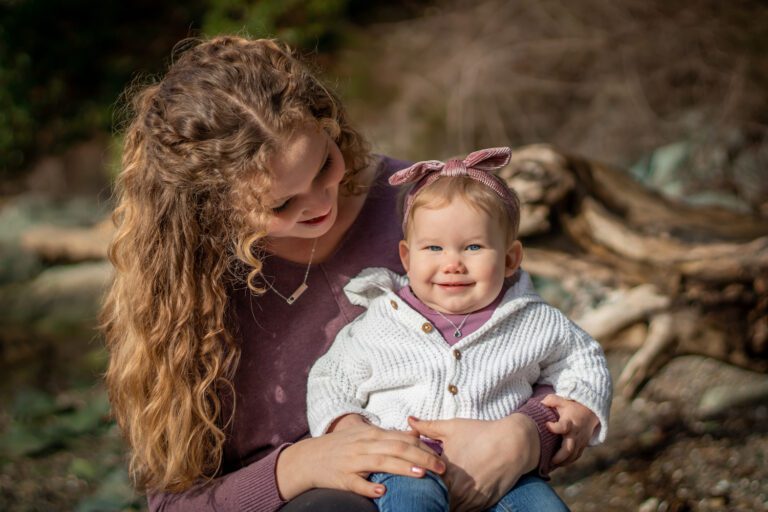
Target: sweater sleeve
334, 385
252, 488
541, 414
578, 371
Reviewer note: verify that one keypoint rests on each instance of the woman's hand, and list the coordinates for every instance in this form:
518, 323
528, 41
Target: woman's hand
577, 425
343, 459
485, 458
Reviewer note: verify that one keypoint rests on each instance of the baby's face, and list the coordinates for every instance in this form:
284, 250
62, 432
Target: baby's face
457, 257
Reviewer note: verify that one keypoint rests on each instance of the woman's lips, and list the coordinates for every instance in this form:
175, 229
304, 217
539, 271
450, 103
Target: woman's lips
316, 220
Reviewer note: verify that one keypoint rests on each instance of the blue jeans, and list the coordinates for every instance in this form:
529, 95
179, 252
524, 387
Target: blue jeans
429, 494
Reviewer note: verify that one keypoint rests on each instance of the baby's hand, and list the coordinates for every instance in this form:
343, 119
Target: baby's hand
347, 421
577, 425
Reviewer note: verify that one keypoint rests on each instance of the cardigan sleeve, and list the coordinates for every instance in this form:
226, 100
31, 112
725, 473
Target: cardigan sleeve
334, 384
577, 369
252, 488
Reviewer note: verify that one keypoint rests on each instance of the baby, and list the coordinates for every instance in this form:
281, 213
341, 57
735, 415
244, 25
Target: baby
464, 335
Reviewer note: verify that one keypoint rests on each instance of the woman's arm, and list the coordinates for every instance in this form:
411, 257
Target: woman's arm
252, 488
340, 460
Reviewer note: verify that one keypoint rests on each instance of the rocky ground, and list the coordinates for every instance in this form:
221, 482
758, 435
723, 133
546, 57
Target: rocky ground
660, 455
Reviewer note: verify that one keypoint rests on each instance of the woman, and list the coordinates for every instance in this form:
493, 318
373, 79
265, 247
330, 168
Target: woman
245, 203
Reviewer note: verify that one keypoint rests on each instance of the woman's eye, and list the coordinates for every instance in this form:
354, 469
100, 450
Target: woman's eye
434, 248
473, 247
327, 164
278, 209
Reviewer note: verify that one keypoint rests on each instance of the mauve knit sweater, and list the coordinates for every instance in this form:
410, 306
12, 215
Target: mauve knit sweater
279, 345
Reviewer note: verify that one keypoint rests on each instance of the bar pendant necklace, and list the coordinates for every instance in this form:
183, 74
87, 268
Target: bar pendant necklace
302, 287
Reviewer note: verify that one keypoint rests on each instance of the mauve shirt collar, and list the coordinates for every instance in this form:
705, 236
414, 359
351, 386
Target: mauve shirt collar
474, 321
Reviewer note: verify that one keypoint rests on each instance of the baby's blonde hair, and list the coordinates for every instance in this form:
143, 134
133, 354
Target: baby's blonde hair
477, 195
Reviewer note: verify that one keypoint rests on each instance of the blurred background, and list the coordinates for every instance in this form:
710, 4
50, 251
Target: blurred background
672, 93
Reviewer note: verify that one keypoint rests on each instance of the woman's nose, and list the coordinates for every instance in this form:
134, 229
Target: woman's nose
318, 200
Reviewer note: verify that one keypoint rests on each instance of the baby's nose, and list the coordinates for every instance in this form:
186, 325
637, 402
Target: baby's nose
454, 266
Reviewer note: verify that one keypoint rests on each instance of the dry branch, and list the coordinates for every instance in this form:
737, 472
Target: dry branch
54, 243
625, 308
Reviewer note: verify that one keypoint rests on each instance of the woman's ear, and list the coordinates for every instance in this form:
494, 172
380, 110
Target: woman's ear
404, 254
513, 258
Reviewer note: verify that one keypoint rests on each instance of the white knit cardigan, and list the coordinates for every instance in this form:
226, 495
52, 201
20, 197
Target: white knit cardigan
390, 362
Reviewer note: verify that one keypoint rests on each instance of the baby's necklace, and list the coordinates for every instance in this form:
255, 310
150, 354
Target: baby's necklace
302, 287
457, 331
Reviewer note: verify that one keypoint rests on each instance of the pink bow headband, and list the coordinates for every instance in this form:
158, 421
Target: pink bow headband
477, 166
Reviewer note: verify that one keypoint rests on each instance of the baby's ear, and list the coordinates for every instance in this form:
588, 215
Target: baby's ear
404, 254
513, 258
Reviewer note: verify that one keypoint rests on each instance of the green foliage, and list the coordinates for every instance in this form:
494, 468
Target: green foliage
114, 493
63, 65
301, 23
39, 422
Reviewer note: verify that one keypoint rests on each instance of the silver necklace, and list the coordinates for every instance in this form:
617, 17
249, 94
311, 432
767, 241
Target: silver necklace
457, 332
302, 287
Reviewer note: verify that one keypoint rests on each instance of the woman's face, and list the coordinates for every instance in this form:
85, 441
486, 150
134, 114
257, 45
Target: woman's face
304, 196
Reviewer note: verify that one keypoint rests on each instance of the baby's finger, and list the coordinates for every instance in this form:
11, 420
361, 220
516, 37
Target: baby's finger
573, 458
561, 427
567, 449
552, 401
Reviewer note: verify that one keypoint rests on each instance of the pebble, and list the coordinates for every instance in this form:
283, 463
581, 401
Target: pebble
649, 505
721, 488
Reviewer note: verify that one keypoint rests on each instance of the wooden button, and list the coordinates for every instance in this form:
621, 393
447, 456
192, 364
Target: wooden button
457, 354
393, 304
427, 327
453, 389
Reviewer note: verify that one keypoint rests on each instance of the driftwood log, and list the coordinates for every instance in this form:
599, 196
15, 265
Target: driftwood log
678, 279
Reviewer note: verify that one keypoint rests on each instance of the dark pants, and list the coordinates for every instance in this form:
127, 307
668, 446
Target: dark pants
329, 500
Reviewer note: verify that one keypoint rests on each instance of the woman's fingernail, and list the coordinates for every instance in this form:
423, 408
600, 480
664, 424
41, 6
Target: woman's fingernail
417, 470
379, 490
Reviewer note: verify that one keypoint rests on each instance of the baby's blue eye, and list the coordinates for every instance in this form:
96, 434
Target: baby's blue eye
434, 248
473, 247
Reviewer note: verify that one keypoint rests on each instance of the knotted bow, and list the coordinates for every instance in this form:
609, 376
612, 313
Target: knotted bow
478, 166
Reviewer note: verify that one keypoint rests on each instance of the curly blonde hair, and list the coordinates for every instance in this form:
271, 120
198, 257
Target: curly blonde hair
190, 222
